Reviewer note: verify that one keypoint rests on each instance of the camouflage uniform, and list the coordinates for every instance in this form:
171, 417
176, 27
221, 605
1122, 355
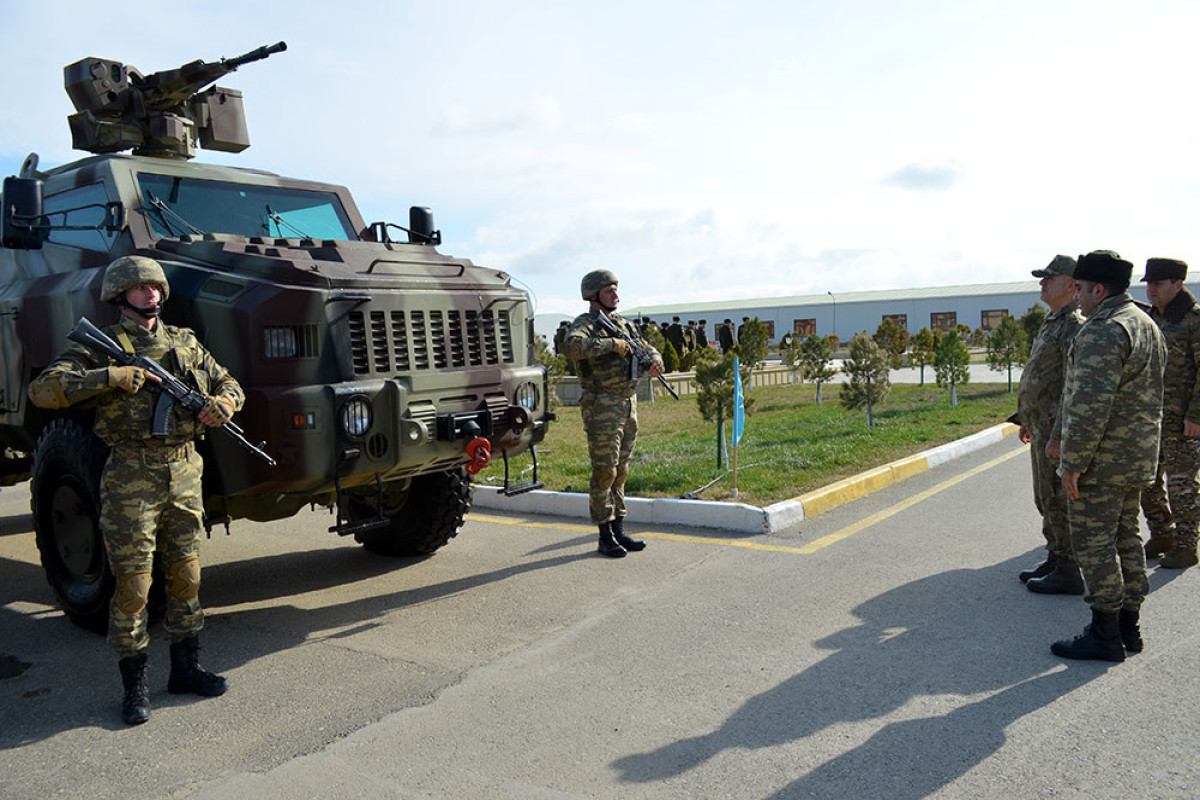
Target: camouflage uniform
1179, 458
1111, 416
150, 492
1038, 403
608, 407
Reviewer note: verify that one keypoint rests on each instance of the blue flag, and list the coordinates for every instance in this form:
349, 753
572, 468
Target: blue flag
739, 405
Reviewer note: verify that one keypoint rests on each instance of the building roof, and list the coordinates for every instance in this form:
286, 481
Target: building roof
881, 295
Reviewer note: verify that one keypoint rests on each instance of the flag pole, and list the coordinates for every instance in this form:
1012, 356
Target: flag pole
739, 415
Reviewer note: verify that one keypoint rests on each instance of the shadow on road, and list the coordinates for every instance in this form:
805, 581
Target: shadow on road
964, 632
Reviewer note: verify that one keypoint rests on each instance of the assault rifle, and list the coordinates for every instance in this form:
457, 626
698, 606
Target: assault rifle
640, 356
173, 389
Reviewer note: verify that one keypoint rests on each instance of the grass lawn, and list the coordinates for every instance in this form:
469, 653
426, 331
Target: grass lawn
790, 445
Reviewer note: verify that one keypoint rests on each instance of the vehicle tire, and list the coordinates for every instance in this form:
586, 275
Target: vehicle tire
424, 518
67, 464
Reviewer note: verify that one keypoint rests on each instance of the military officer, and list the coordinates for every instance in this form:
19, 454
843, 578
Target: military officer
1111, 420
608, 405
1174, 525
1038, 401
150, 491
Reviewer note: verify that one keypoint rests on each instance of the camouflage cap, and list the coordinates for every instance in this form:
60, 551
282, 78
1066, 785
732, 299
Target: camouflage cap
1061, 265
129, 271
594, 281
1165, 269
1103, 266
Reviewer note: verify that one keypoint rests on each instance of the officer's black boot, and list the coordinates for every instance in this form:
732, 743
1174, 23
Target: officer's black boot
187, 676
1131, 634
135, 708
1042, 569
618, 529
1065, 579
1100, 641
608, 543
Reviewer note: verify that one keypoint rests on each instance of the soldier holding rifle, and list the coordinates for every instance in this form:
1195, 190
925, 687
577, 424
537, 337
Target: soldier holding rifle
150, 492
608, 376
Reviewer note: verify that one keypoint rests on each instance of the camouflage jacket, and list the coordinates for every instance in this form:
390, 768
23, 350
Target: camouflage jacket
80, 375
1112, 396
1180, 324
601, 369
1040, 393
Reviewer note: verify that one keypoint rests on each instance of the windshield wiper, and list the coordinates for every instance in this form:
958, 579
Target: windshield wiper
281, 223
164, 209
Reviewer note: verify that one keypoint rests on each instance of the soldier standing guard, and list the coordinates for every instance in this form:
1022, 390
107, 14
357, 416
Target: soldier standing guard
1174, 527
150, 491
1111, 419
1038, 402
608, 377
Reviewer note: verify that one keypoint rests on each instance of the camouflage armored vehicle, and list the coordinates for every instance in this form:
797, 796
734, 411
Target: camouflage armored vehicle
376, 371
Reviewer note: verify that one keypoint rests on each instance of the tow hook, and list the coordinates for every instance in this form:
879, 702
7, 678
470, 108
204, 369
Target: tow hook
479, 449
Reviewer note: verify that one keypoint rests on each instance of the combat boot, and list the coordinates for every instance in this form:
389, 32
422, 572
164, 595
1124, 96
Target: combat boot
618, 530
1065, 579
608, 543
1182, 555
1131, 634
1041, 570
1100, 641
187, 676
135, 708
1159, 545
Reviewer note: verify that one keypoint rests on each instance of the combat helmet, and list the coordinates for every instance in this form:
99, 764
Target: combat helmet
129, 271
594, 281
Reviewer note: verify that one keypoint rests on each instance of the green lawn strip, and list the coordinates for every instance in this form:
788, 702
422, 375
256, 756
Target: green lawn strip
790, 445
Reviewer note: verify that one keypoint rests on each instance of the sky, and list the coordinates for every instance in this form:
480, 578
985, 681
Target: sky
701, 150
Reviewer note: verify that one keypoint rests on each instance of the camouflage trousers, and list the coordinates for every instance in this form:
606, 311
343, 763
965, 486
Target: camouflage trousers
1175, 501
610, 422
151, 502
1050, 499
1104, 534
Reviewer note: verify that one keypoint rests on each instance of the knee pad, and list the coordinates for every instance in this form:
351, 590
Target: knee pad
133, 592
621, 473
604, 476
183, 578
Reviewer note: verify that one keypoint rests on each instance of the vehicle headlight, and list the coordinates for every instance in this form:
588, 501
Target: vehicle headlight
356, 417
527, 396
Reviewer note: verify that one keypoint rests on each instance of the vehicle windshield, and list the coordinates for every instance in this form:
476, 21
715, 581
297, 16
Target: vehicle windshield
178, 206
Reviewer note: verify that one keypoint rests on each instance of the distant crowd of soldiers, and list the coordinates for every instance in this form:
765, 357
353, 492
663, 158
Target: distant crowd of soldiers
685, 338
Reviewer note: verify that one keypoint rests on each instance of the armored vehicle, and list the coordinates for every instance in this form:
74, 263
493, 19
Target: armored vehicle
377, 372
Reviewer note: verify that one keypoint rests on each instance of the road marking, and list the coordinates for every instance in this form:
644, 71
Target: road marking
808, 549
880, 516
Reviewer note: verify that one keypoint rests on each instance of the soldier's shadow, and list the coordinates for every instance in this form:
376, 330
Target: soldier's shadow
964, 632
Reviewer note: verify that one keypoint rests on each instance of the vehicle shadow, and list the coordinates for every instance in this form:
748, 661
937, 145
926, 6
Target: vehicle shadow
962, 633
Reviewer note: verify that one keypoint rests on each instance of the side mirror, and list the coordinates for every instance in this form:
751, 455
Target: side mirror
21, 226
420, 227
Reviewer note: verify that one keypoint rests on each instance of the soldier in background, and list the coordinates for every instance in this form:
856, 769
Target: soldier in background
150, 490
1111, 419
1038, 402
689, 336
741, 329
1174, 526
608, 406
725, 335
674, 334
702, 335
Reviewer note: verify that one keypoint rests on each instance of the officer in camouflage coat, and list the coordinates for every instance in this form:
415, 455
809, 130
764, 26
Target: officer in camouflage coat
150, 491
1038, 401
1111, 420
1174, 527
608, 405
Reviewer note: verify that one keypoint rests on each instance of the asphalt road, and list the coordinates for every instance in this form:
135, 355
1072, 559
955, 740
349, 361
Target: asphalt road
884, 649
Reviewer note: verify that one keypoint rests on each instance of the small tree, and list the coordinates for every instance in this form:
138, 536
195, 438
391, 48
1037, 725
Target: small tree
892, 340
556, 367
789, 353
867, 368
714, 385
670, 357
920, 350
951, 360
1007, 346
1031, 323
752, 344
816, 361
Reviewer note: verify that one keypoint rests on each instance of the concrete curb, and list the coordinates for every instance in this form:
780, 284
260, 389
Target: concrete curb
740, 517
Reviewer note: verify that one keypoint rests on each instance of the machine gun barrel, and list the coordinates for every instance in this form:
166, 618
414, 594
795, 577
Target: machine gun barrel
639, 353
167, 89
88, 335
258, 54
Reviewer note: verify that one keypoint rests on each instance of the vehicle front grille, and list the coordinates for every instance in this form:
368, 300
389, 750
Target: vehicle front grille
385, 342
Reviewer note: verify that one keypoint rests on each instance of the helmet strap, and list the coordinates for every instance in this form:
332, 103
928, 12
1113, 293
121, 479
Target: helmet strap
148, 313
